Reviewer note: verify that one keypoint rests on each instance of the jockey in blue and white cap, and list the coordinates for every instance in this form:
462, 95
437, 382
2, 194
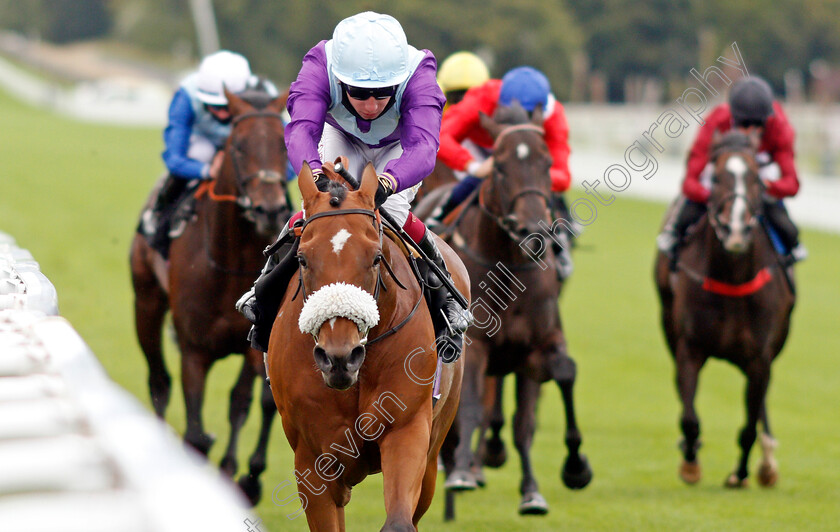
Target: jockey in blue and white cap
199, 123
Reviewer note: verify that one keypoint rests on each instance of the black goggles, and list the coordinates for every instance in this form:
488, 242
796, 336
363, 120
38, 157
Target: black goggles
363, 93
749, 123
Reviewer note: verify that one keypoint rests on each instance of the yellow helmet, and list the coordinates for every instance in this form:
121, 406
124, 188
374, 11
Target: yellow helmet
462, 71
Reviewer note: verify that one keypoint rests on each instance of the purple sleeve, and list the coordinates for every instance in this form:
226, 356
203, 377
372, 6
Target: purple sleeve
309, 100
421, 111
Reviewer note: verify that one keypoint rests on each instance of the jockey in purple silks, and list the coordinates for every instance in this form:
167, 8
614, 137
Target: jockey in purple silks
368, 95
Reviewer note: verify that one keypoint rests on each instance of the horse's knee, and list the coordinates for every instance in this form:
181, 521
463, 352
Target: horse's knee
398, 526
563, 369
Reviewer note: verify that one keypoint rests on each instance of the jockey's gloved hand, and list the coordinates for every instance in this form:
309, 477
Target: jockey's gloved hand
384, 190
321, 180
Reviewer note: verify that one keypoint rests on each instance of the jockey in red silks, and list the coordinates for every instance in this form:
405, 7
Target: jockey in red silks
368, 95
751, 107
467, 148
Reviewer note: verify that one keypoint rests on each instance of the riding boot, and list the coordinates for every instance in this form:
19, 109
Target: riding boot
449, 319
674, 232
560, 244
155, 223
261, 303
779, 219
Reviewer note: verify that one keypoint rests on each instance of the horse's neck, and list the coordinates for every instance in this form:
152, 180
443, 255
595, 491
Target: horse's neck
492, 241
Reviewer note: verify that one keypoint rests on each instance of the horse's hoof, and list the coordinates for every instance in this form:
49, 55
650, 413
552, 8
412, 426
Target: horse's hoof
496, 454
228, 466
767, 475
734, 482
533, 504
480, 479
690, 472
203, 443
251, 487
576, 474
460, 481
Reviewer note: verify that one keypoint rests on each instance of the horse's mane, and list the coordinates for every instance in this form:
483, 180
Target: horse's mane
337, 193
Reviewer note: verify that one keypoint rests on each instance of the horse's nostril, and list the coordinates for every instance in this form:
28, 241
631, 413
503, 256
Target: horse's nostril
321, 357
356, 357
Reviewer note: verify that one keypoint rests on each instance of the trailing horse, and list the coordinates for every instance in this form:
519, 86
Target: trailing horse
503, 239
209, 266
352, 359
728, 297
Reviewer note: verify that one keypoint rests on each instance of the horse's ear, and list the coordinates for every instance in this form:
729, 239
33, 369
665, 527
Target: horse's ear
489, 124
236, 104
308, 190
755, 138
537, 115
369, 182
279, 104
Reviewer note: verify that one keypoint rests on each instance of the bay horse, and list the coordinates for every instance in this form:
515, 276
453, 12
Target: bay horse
351, 360
441, 176
504, 242
210, 266
730, 298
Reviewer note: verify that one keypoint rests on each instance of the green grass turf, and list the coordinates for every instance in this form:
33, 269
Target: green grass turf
71, 193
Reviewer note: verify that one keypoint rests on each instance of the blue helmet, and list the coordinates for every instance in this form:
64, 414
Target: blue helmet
527, 85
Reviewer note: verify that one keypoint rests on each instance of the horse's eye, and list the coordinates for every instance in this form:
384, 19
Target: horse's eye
302, 261
377, 259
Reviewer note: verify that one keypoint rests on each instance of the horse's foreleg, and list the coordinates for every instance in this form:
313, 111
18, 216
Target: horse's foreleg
524, 424
240, 402
317, 495
758, 378
194, 366
494, 454
427, 492
250, 483
405, 464
576, 472
470, 417
688, 371
768, 470
150, 306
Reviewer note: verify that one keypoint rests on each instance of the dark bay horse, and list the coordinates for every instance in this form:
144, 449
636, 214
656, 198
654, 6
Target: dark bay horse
351, 360
504, 243
211, 265
729, 298
441, 176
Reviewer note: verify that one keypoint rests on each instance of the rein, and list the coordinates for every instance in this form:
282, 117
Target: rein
379, 281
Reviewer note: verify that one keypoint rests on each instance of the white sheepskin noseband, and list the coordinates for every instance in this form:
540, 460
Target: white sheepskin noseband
338, 300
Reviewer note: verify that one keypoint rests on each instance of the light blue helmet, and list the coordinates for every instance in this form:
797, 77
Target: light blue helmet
369, 50
527, 85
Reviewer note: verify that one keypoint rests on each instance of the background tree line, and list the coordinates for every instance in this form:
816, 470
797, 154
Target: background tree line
592, 50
